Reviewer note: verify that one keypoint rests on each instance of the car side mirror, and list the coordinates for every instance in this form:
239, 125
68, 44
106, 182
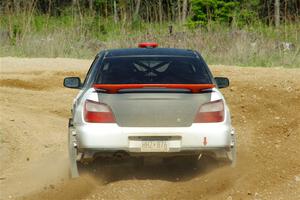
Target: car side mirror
72, 82
222, 82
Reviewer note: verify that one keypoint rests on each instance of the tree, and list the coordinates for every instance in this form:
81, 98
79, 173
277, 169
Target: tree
137, 8
91, 2
198, 11
160, 11
115, 12
277, 13
214, 10
184, 10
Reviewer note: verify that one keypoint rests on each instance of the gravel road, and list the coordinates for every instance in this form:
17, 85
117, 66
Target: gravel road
34, 110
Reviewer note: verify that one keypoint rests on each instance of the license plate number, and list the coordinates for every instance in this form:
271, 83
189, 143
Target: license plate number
154, 146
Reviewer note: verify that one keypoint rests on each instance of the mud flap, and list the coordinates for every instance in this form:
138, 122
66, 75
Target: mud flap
72, 152
231, 154
228, 155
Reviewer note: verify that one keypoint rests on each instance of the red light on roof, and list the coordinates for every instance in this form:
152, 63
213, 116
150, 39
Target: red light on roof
148, 45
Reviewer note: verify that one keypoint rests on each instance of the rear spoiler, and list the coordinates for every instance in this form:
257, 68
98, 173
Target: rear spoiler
114, 88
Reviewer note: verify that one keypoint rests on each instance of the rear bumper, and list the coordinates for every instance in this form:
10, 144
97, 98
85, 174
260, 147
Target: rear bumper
112, 138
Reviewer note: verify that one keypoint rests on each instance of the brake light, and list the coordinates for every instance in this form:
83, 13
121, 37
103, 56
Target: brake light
148, 45
95, 112
211, 112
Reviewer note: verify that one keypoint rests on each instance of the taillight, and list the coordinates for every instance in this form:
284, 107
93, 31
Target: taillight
211, 112
96, 112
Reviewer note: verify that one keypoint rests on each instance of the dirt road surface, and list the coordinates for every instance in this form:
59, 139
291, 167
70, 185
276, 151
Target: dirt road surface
34, 109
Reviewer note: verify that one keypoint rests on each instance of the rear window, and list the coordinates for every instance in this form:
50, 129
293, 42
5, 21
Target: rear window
153, 70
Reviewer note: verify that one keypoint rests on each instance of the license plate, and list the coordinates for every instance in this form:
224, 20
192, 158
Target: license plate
154, 146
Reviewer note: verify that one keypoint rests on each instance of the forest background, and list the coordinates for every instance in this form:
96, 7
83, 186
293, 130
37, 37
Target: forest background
245, 33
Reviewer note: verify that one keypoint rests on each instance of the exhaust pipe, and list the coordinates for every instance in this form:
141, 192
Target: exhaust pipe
119, 155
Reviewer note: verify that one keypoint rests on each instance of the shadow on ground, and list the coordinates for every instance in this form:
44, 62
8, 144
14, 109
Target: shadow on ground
175, 169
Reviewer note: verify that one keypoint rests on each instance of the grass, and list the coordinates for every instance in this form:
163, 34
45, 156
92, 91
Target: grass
67, 36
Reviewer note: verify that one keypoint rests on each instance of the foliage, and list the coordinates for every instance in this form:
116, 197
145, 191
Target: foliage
213, 10
224, 31
240, 12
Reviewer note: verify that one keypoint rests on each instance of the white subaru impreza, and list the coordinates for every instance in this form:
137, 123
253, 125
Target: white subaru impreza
149, 101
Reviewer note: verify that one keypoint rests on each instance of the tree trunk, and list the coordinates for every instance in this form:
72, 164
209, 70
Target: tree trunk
147, 13
156, 18
123, 11
184, 10
269, 14
137, 9
74, 2
115, 12
179, 10
277, 13
91, 5
106, 10
49, 13
173, 11
285, 11
73, 9
17, 6
80, 14
160, 11
49, 7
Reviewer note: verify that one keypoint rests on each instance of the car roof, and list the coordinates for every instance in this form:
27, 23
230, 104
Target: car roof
150, 52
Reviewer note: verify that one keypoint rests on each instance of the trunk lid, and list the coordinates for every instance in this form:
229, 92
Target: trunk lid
154, 109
